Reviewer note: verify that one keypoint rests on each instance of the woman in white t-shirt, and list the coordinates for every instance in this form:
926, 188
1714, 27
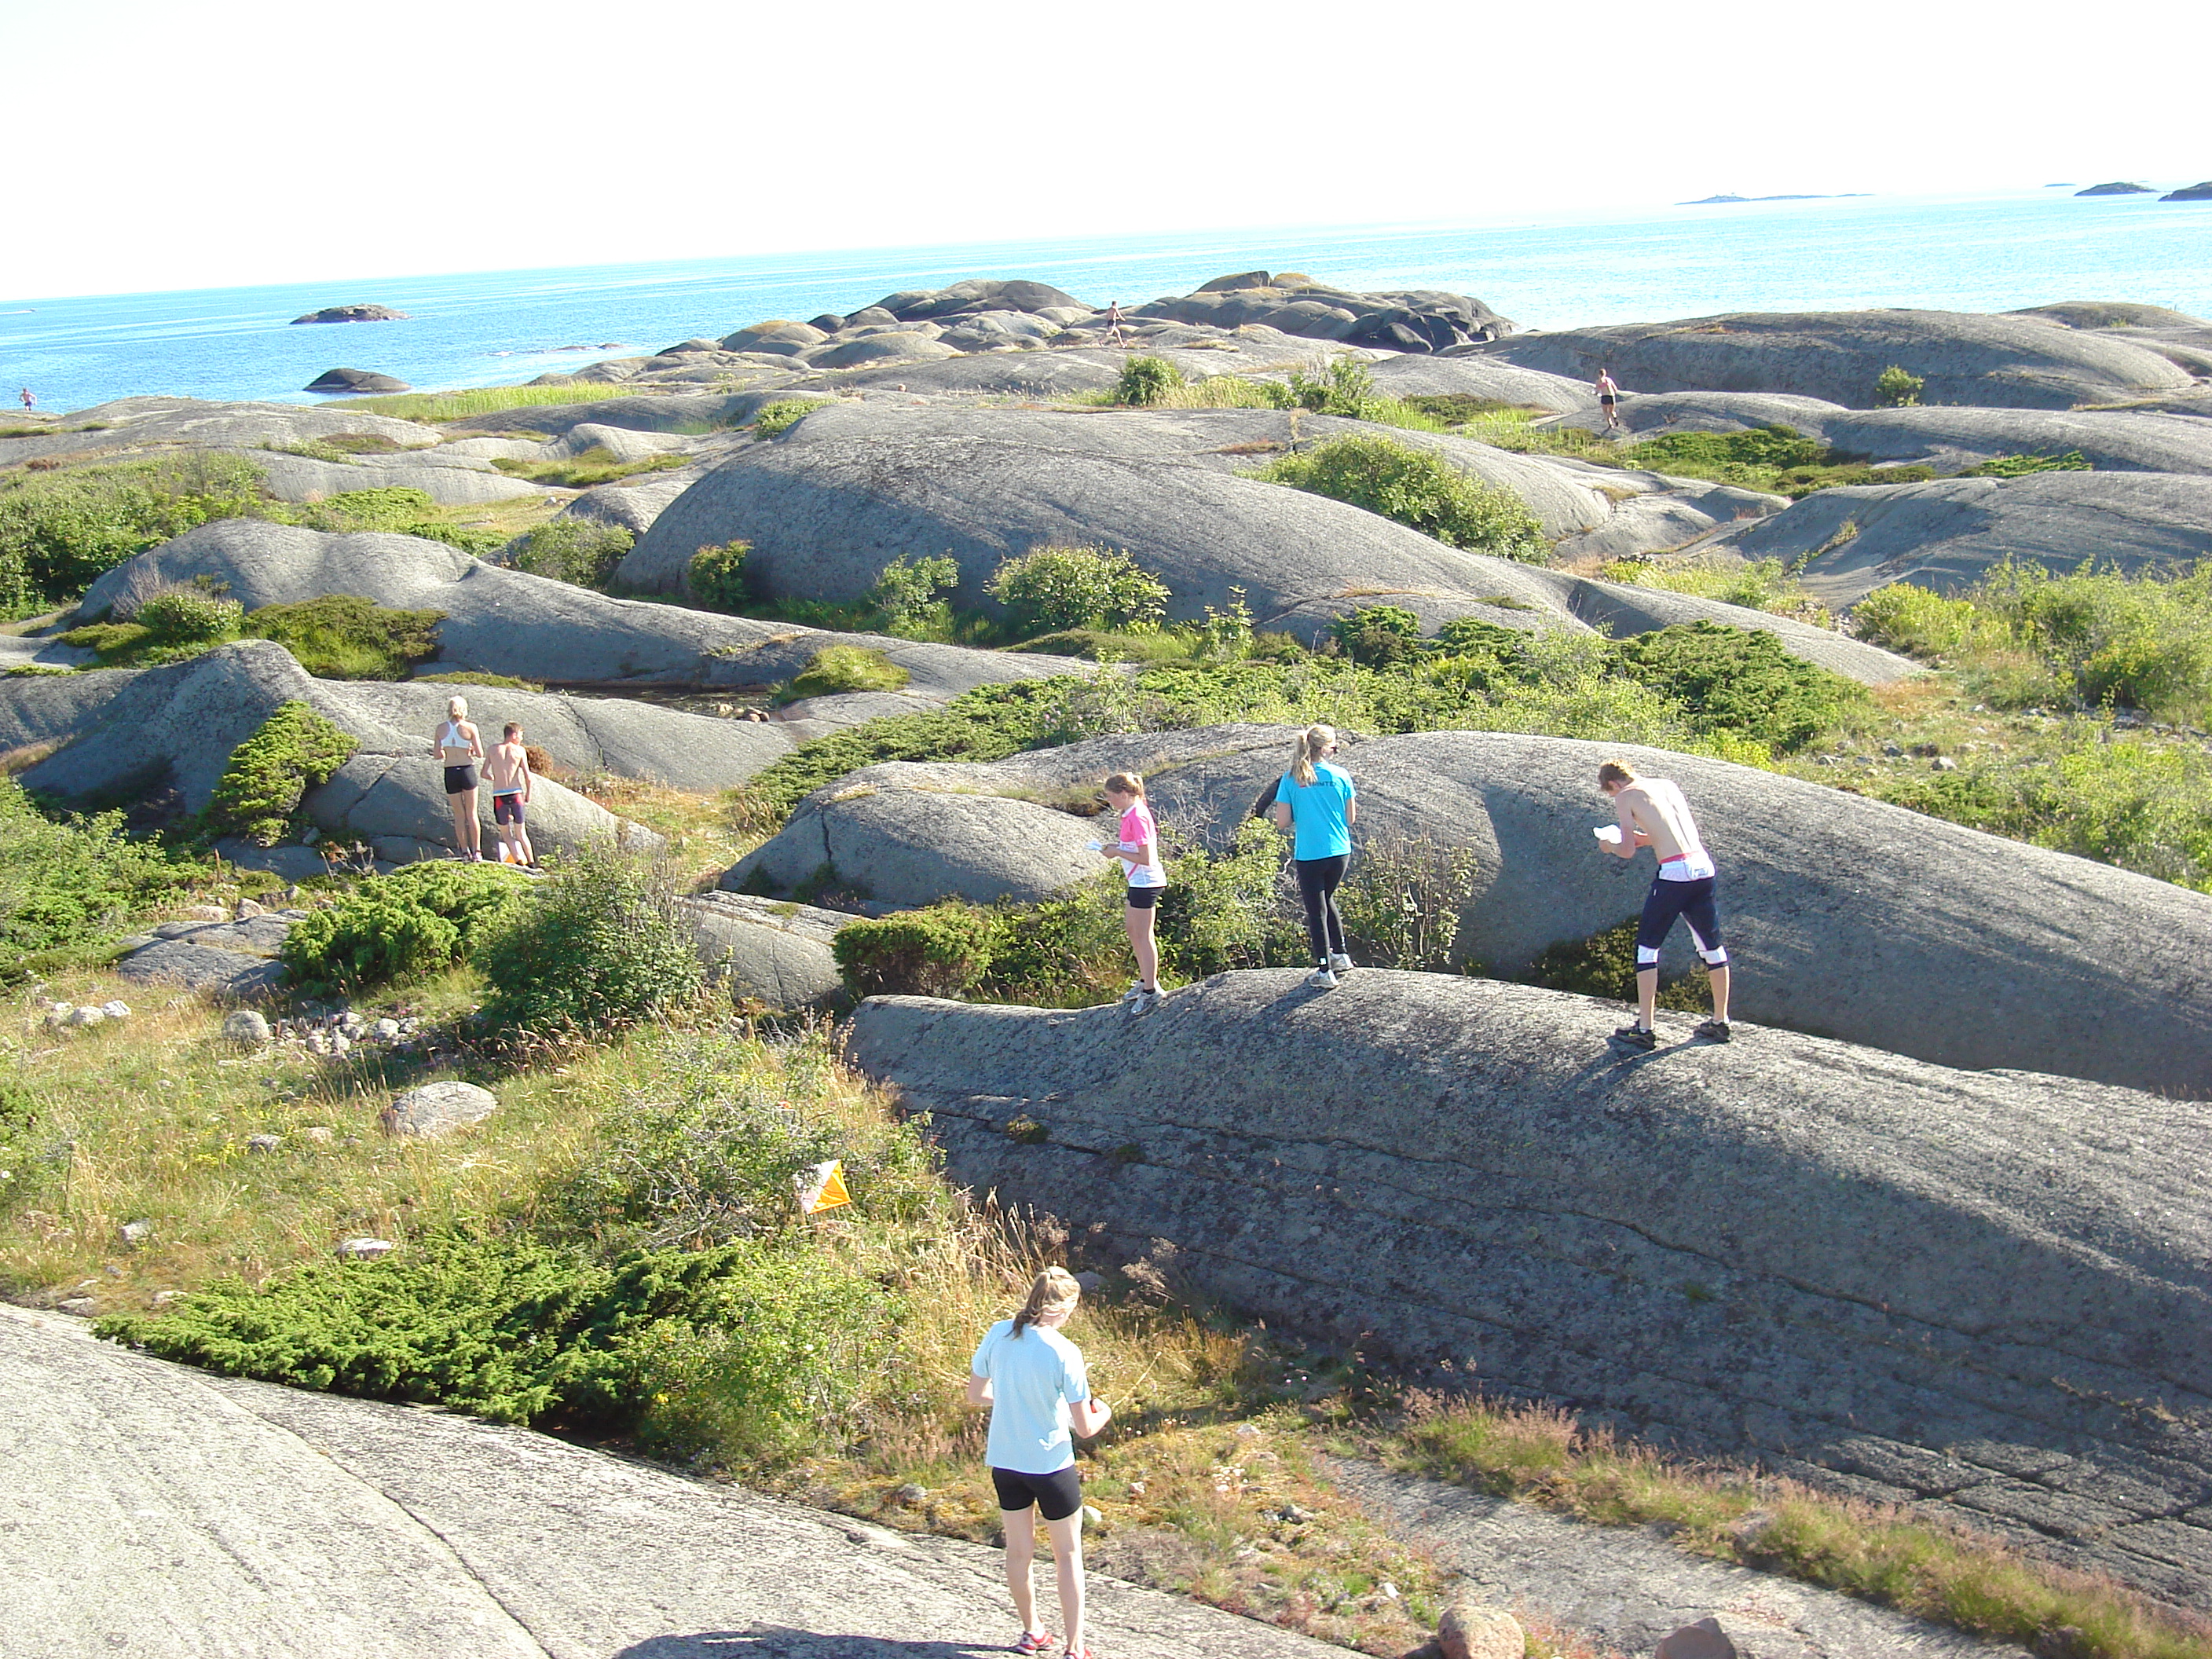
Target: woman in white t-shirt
1138, 847
1033, 1380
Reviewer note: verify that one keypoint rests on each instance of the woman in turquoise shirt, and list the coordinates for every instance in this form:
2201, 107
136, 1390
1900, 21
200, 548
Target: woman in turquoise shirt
1316, 802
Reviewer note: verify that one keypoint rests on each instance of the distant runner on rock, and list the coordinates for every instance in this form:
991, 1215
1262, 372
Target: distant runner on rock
1609, 398
1033, 1380
29, 402
1652, 813
1314, 802
1113, 336
462, 750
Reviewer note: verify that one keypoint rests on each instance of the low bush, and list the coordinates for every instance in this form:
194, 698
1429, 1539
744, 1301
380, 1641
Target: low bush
778, 418
1897, 388
937, 951
1604, 966
1741, 680
572, 551
172, 626
844, 668
411, 922
296, 750
600, 946
1403, 899
70, 881
909, 595
1419, 490
1377, 636
60, 531
2020, 467
1059, 587
1146, 380
716, 578
342, 636
596, 465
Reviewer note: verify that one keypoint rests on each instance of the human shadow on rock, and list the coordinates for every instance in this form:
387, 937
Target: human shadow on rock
778, 1642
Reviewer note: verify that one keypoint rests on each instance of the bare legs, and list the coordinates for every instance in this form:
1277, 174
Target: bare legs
1067, 1561
467, 840
1147, 949
1647, 993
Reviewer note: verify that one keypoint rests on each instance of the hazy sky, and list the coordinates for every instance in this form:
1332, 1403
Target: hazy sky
176, 143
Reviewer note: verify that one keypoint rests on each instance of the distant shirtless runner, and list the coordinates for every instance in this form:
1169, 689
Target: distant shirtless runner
1608, 399
507, 769
1653, 813
1113, 335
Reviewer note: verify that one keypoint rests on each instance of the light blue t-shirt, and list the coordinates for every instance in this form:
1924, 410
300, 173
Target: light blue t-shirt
1035, 1377
1318, 812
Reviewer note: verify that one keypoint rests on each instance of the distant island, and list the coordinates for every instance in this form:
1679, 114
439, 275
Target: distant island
2200, 192
2116, 187
1713, 201
354, 314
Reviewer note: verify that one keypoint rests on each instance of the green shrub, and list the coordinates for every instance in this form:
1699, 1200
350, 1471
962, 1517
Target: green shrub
1377, 636
1146, 380
296, 750
844, 668
1604, 966
600, 946
597, 465
172, 626
1895, 388
1343, 386
938, 951
756, 1341
2020, 467
1741, 680
717, 578
27, 1160
70, 881
778, 418
60, 531
1403, 900
1069, 950
1769, 446
414, 921
906, 594
1058, 587
572, 551
342, 636
1230, 909
397, 511
1419, 490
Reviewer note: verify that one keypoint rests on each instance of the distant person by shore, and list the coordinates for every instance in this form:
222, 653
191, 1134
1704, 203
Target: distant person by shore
29, 402
1316, 805
507, 769
1033, 1381
461, 750
1653, 813
1608, 399
1113, 336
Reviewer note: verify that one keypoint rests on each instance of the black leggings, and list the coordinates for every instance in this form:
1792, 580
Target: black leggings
1318, 879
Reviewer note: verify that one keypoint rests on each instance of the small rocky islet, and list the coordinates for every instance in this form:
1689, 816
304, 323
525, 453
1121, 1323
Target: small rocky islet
1921, 991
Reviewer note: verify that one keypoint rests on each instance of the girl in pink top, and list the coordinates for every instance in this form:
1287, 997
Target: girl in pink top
1139, 850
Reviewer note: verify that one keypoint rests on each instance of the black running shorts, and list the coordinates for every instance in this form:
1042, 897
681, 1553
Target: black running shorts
460, 779
1143, 899
1057, 1496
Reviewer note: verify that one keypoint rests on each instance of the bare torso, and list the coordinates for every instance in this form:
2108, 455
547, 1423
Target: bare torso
508, 766
1654, 809
460, 752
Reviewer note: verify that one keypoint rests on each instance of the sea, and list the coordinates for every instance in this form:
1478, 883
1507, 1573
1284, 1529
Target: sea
1992, 252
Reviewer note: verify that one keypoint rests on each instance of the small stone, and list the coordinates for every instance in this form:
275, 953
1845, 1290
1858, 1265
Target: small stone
82, 1306
1388, 1590
1246, 1431
385, 1031
264, 1142
246, 1028
57, 1014
1091, 1517
1089, 1282
206, 913
1473, 1629
134, 1233
1704, 1640
164, 1298
1892, 750
79, 1019
340, 1043
247, 907
437, 1109
909, 1493
1943, 764
365, 1249
117, 1009
350, 1021
320, 1135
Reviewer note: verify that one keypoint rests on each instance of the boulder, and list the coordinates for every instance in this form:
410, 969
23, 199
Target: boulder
976, 294
1704, 1640
355, 380
898, 346
782, 338
619, 441
1845, 917
1417, 321
1469, 1629
632, 507
507, 622
1413, 375
766, 951
229, 974
634, 414
436, 1109
1785, 1248
354, 313
1964, 357
246, 1028
909, 847
1945, 535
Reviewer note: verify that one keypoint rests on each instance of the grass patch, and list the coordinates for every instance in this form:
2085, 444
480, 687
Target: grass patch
596, 465
844, 668
342, 636
1419, 490
72, 882
434, 407
1757, 584
1777, 460
775, 419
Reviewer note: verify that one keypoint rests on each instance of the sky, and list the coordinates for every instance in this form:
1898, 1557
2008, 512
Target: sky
155, 144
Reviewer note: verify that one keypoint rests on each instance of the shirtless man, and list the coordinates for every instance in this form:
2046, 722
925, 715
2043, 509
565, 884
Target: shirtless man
461, 750
1608, 399
507, 767
1653, 814
1113, 335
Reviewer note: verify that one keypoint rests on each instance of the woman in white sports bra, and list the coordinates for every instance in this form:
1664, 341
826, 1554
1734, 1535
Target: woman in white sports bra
461, 750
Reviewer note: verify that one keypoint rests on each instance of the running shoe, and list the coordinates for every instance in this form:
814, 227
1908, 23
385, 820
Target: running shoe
1139, 993
1635, 1036
1321, 979
1034, 1644
1715, 1031
1340, 963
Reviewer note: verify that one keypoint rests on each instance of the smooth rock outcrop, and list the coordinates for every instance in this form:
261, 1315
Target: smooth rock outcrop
191, 967
1412, 374
353, 314
1964, 357
1414, 319
436, 1109
1945, 535
355, 380
1784, 1246
136, 423
762, 950
1845, 917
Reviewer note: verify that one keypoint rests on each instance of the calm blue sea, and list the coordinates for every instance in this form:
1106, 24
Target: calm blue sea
1989, 252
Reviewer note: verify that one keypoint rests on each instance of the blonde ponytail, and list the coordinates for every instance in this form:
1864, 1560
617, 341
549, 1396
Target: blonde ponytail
1053, 1295
1313, 742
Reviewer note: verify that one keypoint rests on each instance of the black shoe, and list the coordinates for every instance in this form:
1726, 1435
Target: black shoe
1715, 1031
1636, 1037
